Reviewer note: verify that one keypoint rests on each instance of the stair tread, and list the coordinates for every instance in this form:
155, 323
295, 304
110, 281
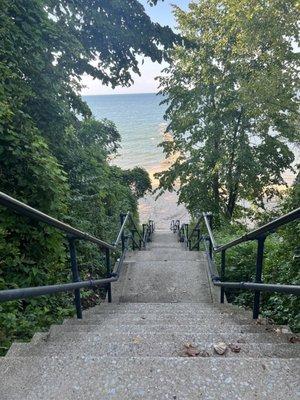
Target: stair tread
79, 377
150, 344
134, 348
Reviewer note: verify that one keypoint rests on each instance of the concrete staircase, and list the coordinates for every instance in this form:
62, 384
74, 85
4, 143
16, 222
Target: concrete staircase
138, 347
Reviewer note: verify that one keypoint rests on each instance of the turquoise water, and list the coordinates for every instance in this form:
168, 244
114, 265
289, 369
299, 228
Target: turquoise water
139, 119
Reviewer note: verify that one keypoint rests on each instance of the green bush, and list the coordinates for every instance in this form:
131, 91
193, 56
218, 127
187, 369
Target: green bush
281, 265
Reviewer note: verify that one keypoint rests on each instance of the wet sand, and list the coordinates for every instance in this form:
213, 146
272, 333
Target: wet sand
163, 209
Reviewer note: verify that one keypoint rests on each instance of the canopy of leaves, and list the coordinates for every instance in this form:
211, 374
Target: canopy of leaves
53, 154
232, 103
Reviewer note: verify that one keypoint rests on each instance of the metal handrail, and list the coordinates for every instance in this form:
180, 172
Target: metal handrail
119, 237
194, 230
209, 230
267, 228
24, 209
136, 229
72, 234
262, 287
258, 234
23, 293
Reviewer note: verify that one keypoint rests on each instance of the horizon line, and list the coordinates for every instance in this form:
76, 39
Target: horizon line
118, 94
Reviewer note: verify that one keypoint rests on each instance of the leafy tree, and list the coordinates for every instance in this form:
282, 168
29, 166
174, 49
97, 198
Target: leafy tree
231, 91
139, 181
53, 155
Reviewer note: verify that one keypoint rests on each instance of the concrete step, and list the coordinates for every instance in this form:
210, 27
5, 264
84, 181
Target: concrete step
175, 308
64, 333
173, 245
173, 295
127, 378
180, 319
100, 327
146, 345
159, 281
166, 254
172, 307
205, 329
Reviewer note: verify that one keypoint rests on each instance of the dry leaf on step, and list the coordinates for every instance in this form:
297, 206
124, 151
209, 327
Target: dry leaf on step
260, 321
191, 350
294, 339
220, 348
137, 340
235, 347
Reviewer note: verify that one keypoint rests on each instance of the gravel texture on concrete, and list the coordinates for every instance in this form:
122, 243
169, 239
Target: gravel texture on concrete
137, 347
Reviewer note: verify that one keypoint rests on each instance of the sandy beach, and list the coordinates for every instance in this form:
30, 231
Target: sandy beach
165, 208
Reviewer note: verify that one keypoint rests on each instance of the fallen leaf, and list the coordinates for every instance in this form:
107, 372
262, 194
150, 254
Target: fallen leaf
270, 329
294, 339
260, 321
235, 347
220, 348
136, 340
190, 350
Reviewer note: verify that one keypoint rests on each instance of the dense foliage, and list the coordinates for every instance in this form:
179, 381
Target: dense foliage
281, 265
231, 91
53, 154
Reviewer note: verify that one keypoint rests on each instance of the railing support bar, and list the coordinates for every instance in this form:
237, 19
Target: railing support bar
122, 217
223, 264
210, 220
75, 275
108, 274
187, 235
198, 238
258, 274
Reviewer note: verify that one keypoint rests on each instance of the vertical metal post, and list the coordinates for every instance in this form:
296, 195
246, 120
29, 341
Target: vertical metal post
198, 239
108, 273
143, 230
133, 243
223, 264
75, 275
210, 219
187, 235
122, 217
259, 266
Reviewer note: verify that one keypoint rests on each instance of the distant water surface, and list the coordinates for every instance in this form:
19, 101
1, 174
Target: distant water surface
139, 119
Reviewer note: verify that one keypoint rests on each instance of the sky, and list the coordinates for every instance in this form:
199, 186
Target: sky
145, 83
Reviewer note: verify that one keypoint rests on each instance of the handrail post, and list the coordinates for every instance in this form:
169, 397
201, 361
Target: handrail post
108, 273
198, 238
122, 217
75, 275
258, 274
143, 234
132, 236
223, 264
187, 235
210, 219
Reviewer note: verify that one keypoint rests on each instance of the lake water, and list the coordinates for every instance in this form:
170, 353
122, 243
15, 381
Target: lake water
139, 119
